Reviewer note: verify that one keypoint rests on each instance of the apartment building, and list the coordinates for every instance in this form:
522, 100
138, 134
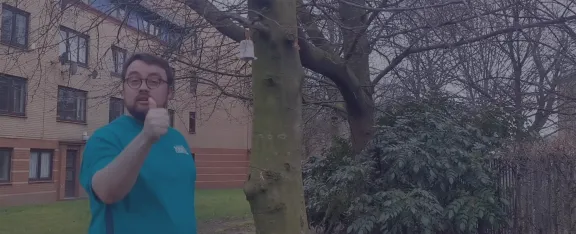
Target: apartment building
59, 81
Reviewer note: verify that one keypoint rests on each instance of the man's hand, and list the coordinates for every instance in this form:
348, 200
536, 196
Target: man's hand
157, 121
113, 182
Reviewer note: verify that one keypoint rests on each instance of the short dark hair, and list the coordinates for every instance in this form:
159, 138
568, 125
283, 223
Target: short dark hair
150, 59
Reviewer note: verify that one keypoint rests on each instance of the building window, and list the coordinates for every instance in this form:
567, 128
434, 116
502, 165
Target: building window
65, 3
40, 165
144, 20
174, 38
150, 27
74, 46
195, 44
153, 29
173, 85
120, 12
12, 95
143, 25
193, 85
15, 24
118, 57
71, 105
5, 165
171, 114
192, 123
116, 108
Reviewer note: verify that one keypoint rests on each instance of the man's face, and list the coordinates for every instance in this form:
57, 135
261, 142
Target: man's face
142, 81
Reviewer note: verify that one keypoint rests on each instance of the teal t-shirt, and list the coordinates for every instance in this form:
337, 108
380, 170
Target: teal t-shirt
162, 199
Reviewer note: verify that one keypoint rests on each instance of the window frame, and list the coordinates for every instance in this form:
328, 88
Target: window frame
88, 2
117, 71
193, 85
77, 35
110, 108
16, 11
10, 155
65, 3
58, 118
192, 122
120, 11
173, 85
195, 42
39, 168
175, 37
14, 80
171, 114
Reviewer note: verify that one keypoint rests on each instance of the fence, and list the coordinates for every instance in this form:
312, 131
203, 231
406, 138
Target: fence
539, 182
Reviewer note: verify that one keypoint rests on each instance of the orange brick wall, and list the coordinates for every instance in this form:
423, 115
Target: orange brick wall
221, 168
20, 191
216, 169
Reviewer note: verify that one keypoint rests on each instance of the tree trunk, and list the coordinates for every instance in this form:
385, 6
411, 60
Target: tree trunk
357, 51
361, 129
274, 187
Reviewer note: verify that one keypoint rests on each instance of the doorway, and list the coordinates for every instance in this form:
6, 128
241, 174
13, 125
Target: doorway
71, 177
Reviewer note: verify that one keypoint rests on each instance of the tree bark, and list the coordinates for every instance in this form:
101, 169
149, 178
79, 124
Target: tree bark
356, 53
274, 187
361, 129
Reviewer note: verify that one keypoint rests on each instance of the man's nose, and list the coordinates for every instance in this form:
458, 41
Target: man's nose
144, 87
144, 90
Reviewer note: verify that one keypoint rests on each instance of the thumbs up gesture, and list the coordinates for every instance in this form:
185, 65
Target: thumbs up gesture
157, 121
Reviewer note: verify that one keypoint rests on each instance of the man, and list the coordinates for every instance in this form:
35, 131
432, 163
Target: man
139, 173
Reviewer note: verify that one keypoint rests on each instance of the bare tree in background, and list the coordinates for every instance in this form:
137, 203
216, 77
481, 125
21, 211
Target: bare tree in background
522, 72
338, 38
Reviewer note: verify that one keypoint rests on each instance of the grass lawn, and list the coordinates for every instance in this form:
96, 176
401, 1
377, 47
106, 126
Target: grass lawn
73, 217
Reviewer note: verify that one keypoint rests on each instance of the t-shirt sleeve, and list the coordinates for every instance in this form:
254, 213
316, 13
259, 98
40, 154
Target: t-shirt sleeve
98, 153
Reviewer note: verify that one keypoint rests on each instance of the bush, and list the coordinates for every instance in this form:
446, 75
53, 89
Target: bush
425, 171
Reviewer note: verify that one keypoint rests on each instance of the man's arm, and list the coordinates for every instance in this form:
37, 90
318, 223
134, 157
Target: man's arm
114, 181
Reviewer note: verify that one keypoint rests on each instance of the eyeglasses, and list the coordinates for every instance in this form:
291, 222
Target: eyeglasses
135, 83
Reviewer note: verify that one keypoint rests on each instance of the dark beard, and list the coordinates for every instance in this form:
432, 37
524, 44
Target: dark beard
139, 115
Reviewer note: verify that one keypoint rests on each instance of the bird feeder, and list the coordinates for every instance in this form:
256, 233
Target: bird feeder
246, 48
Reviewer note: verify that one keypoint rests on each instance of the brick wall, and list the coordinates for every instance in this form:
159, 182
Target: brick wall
21, 191
221, 168
216, 169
